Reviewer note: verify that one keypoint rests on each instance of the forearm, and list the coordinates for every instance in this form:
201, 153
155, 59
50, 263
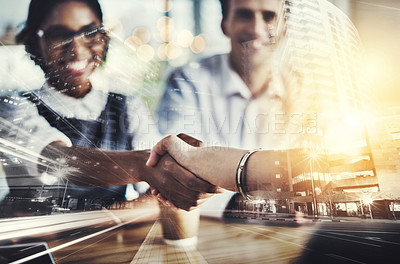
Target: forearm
218, 166
94, 167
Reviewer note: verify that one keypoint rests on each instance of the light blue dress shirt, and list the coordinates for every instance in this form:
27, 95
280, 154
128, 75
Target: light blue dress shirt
210, 101
206, 99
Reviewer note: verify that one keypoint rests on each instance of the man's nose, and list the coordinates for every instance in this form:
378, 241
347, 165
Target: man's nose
258, 27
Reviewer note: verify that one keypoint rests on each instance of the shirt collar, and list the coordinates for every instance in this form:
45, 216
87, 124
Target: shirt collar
86, 108
231, 81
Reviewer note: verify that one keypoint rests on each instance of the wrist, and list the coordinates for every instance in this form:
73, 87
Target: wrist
189, 159
138, 169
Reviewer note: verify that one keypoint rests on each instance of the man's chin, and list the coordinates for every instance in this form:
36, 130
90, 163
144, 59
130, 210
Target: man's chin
257, 59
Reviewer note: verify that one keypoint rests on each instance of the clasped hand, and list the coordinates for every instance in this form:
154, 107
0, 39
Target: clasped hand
174, 185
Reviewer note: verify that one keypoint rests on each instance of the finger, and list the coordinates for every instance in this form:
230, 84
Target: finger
170, 204
201, 201
154, 157
162, 199
178, 190
184, 204
192, 182
179, 200
166, 187
206, 196
190, 140
191, 208
154, 191
185, 177
219, 190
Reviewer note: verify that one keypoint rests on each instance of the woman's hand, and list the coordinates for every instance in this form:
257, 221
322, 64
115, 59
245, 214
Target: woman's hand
201, 199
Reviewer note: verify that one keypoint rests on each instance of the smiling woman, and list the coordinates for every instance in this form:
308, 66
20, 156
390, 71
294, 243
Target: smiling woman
67, 40
73, 127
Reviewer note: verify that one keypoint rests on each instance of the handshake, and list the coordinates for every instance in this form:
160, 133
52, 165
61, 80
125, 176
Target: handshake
174, 181
179, 170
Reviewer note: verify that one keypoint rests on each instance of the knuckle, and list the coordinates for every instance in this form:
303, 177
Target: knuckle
168, 166
163, 181
193, 203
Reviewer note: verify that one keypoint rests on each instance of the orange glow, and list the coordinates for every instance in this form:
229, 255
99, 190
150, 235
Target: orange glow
185, 38
145, 53
133, 43
143, 34
161, 52
163, 5
199, 44
173, 51
115, 27
165, 26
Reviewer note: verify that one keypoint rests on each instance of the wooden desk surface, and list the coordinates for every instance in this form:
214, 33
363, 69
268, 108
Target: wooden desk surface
134, 236
218, 243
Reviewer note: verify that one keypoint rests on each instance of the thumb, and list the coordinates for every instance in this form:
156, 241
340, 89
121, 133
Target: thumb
158, 151
155, 154
153, 159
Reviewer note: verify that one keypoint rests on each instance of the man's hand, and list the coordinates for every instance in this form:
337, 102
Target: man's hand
194, 142
176, 185
176, 146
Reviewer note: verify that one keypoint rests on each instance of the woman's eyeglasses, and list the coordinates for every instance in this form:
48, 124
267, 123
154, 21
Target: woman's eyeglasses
60, 38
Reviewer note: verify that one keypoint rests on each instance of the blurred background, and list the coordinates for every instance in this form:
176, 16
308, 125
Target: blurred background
149, 38
157, 35
160, 34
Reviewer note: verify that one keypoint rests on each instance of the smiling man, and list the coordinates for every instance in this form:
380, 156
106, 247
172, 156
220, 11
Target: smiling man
215, 98
251, 27
231, 99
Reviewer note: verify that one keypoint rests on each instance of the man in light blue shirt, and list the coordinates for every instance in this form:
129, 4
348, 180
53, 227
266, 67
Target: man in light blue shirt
231, 99
218, 99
